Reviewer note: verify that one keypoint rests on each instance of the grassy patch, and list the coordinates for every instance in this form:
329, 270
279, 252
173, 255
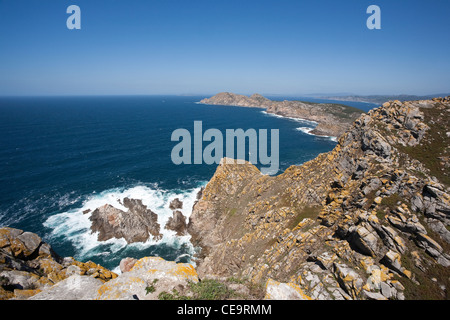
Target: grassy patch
427, 288
210, 290
151, 288
434, 144
381, 214
306, 212
391, 201
207, 289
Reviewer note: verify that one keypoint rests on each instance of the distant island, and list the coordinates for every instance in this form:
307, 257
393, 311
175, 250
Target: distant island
332, 119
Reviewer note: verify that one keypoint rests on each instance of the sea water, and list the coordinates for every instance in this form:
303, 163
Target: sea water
63, 157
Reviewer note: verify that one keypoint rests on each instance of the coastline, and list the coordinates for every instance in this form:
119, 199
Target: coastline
331, 119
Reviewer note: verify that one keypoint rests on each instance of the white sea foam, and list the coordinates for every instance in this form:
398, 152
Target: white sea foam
290, 118
75, 225
308, 130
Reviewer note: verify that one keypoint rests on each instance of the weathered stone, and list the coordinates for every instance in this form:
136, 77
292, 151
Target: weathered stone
284, 291
20, 279
349, 280
386, 290
75, 287
374, 295
150, 271
366, 241
425, 241
126, 264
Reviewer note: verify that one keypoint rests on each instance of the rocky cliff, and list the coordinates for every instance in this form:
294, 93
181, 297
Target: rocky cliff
332, 119
29, 266
368, 220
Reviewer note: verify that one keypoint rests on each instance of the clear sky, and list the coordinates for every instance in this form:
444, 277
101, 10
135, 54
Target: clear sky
209, 46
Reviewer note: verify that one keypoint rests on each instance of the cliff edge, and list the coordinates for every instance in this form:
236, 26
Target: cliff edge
368, 220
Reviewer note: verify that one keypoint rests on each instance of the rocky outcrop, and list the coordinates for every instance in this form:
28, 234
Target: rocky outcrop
177, 223
332, 119
28, 266
137, 224
147, 279
368, 220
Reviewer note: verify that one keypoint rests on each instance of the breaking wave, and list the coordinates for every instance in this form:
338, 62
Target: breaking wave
74, 226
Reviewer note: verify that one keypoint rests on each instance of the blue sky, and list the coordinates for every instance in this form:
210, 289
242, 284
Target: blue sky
208, 46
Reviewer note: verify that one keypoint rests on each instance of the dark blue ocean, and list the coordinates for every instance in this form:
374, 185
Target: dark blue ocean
60, 156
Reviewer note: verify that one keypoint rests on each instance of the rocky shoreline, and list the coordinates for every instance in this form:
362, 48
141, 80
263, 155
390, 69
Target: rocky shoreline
332, 119
368, 220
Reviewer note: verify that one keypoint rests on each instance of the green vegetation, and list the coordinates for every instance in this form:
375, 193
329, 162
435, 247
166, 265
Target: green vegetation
175, 295
426, 285
207, 289
391, 201
151, 288
381, 214
306, 212
210, 290
434, 146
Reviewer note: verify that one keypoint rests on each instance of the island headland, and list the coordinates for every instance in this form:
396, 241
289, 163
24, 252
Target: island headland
332, 119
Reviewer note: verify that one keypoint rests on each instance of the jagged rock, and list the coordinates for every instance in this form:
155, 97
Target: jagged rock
176, 204
386, 290
392, 260
366, 241
19, 279
349, 279
135, 225
438, 227
426, 242
18, 243
177, 223
28, 265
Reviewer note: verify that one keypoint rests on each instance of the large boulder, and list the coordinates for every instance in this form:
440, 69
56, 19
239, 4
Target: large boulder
20, 244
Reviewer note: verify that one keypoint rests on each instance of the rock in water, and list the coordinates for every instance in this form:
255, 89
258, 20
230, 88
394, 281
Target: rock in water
134, 225
176, 204
177, 223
